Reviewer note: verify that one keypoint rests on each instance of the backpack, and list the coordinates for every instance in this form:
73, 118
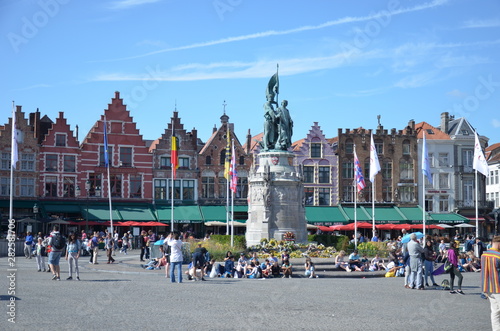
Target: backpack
445, 284
58, 241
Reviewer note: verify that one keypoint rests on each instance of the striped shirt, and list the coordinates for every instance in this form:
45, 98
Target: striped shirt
490, 267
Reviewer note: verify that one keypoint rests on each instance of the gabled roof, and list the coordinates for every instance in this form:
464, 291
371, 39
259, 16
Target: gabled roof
298, 144
436, 134
492, 153
460, 127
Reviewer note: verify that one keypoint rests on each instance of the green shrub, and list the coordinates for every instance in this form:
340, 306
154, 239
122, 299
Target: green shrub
339, 242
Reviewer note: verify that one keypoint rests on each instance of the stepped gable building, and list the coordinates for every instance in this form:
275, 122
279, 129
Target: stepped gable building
213, 188
461, 132
317, 160
129, 158
397, 154
59, 166
187, 174
492, 182
439, 195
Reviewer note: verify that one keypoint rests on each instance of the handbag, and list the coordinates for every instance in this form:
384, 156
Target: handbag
447, 266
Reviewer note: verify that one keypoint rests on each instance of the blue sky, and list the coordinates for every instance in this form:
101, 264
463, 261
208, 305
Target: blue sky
341, 63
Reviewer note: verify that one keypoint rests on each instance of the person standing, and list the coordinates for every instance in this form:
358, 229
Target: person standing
57, 244
429, 258
175, 256
40, 255
143, 242
415, 251
109, 243
28, 245
124, 244
453, 259
115, 241
490, 267
72, 255
94, 245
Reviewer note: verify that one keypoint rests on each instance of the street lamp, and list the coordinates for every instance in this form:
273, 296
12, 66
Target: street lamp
35, 212
87, 189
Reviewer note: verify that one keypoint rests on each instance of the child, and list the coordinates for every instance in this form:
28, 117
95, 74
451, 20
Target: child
40, 255
286, 268
310, 270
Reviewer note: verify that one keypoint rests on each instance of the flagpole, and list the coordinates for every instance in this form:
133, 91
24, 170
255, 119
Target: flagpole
109, 178
228, 211
373, 209
477, 211
424, 150
13, 160
172, 201
355, 215
173, 162
232, 218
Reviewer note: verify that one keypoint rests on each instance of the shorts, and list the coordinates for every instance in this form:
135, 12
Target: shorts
54, 258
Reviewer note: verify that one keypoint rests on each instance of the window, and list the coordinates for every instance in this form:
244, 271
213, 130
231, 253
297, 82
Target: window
431, 159
429, 204
51, 162
95, 185
406, 147
347, 170
379, 146
496, 176
465, 132
348, 193
387, 170
407, 193
27, 187
223, 187
309, 196
51, 186
126, 156
308, 174
177, 188
443, 203
386, 193
135, 186
242, 188
165, 162
116, 186
496, 200
4, 186
316, 150
60, 140
366, 169
467, 158
324, 196
427, 183
242, 160
27, 162
208, 160
101, 156
69, 187
468, 192
405, 169
444, 180
5, 161
222, 159
184, 163
349, 146
69, 163
443, 160
208, 187
161, 189
188, 189
430, 131
324, 175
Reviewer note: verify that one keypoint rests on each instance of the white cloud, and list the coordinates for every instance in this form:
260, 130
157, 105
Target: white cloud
496, 123
349, 19
457, 94
488, 23
417, 80
125, 4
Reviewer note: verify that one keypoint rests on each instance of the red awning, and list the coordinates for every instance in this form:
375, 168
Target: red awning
360, 225
325, 228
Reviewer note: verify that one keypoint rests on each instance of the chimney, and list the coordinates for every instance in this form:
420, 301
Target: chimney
214, 130
76, 132
411, 124
249, 142
444, 121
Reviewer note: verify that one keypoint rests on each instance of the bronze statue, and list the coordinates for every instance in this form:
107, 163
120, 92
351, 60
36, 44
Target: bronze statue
285, 127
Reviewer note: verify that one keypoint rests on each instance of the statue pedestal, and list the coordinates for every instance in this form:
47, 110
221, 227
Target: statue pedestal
276, 199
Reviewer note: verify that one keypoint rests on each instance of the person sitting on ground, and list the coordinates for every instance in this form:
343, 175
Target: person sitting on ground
242, 266
272, 258
266, 269
470, 262
229, 267
199, 258
355, 261
228, 255
310, 269
340, 263
275, 269
286, 268
255, 271
392, 269
377, 263
285, 255
254, 258
442, 253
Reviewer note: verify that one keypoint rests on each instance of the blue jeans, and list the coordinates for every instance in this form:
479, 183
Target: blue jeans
429, 266
173, 265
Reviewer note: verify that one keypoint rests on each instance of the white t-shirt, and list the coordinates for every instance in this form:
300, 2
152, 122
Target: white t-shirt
176, 252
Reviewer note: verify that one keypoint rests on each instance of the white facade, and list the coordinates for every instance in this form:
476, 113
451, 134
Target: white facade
493, 184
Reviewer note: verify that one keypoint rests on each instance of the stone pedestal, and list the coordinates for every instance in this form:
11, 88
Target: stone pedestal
276, 199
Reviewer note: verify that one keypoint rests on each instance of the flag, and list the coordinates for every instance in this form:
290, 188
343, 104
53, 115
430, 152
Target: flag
426, 169
374, 164
358, 173
233, 173
479, 163
227, 161
14, 141
174, 150
106, 155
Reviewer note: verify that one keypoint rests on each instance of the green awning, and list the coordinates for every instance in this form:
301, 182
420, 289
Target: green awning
449, 218
385, 215
182, 214
61, 208
324, 215
136, 213
214, 213
100, 213
361, 214
412, 214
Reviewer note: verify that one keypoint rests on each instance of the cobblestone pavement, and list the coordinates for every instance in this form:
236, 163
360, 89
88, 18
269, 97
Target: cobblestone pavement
123, 296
